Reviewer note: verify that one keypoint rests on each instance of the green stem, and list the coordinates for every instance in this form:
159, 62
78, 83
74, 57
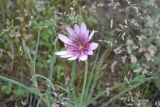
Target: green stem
73, 78
34, 60
14, 82
73, 74
84, 83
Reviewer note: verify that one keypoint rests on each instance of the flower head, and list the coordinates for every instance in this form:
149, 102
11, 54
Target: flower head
77, 44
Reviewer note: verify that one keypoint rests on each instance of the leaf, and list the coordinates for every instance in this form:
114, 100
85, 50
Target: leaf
26, 50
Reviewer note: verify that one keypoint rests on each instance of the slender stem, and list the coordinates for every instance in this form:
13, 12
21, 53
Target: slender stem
14, 82
84, 83
34, 60
73, 74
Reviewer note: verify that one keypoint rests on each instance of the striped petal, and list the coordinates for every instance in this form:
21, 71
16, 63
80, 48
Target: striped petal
91, 35
61, 53
70, 31
90, 52
83, 57
64, 39
93, 45
76, 29
73, 57
83, 28
87, 33
68, 55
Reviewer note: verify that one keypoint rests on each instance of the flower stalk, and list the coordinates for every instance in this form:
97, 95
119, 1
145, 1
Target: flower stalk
84, 83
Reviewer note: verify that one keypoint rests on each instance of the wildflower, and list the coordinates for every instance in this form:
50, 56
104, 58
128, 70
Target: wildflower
77, 44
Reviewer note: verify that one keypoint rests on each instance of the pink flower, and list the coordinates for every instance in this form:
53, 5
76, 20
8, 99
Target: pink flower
77, 44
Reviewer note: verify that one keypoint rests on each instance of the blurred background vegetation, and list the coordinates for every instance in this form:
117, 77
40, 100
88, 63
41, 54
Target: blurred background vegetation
128, 29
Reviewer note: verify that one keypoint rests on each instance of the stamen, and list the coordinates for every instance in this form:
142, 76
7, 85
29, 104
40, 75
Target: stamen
81, 47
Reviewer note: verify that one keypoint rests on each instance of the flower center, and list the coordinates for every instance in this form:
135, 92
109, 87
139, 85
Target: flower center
81, 47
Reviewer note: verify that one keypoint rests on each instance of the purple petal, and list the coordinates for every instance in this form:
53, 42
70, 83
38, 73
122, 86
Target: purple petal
93, 45
71, 46
64, 54
90, 52
68, 55
76, 28
83, 57
91, 35
70, 31
61, 53
83, 28
64, 39
87, 33
73, 57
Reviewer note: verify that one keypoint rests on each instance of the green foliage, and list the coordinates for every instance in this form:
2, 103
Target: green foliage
21, 92
7, 88
60, 72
